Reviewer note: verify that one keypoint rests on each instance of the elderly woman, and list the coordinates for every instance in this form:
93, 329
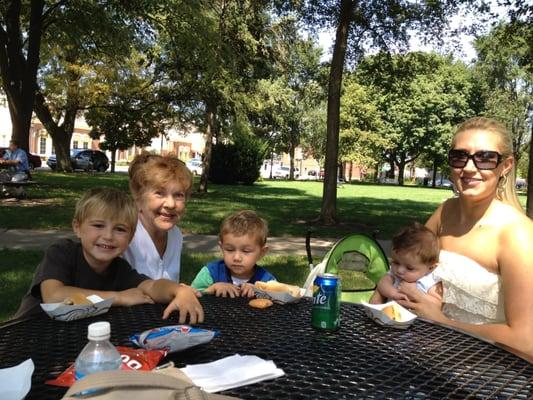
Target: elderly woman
486, 262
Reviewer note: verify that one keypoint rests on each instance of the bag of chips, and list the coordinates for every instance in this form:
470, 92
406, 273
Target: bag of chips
173, 338
132, 360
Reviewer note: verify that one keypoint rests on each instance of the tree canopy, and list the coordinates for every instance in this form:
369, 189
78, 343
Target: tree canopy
242, 68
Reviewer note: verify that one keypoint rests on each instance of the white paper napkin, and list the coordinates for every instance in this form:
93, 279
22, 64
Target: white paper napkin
231, 372
15, 382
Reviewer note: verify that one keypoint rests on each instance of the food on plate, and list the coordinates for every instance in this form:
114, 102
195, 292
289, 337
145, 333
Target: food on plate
77, 299
392, 312
275, 286
260, 303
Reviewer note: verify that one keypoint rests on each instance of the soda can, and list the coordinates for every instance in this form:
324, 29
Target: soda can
326, 313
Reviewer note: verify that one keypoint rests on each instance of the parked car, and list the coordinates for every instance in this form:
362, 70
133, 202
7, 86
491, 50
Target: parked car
284, 173
33, 160
442, 183
521, 183
195, 166
87, 160
310, 175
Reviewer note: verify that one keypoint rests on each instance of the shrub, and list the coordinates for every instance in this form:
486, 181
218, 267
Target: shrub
238, 162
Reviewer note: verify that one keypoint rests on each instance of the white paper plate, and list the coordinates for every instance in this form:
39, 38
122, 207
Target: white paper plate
63, 312
374, 311
276, 297
15, 382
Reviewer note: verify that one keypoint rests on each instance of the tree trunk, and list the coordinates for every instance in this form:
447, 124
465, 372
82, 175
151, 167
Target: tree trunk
271, 163
434, 179
113, 159
210, 126
390, 172
20, 128
401, 170
61, 134
529, 202
328, 212
291, 161
18, 74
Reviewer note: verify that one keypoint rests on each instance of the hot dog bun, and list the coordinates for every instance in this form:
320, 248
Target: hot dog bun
77, 299
275, 286
392, 312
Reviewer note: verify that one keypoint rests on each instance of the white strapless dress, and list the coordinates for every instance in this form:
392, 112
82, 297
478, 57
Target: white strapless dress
471, 293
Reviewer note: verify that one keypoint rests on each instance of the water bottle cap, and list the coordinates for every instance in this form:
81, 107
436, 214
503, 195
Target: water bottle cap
99, 331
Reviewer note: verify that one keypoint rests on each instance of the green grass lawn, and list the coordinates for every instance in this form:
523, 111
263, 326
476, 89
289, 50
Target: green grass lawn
289, 207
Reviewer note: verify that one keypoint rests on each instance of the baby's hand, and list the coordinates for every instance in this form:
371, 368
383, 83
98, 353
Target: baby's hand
408, 290
400, 296
247, 290
131, 297
223, 289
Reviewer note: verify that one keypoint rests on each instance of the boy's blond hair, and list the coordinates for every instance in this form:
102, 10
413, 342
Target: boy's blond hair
109, 204
245, 222
152, 170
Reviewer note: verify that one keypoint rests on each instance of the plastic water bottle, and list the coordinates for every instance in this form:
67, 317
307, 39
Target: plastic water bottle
99, 354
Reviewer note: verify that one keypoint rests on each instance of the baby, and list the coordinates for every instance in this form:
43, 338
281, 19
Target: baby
415, 255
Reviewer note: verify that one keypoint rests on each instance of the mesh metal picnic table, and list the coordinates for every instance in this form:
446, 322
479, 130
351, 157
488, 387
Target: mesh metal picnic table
360, 360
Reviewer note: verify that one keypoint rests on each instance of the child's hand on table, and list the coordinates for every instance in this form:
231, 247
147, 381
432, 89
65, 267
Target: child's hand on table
224, 289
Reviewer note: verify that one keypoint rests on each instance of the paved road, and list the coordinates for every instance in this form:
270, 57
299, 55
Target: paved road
41, 239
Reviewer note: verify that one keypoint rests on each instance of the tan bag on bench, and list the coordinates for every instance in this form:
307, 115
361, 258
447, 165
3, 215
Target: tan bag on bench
137, 385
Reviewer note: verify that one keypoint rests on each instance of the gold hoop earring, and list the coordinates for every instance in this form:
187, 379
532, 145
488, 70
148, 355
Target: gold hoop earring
501, 185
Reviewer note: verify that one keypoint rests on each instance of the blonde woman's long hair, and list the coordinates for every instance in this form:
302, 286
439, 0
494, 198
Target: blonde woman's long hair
506, 191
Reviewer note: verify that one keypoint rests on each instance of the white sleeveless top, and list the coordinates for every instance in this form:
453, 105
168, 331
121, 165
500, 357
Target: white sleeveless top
144, 257
471, 293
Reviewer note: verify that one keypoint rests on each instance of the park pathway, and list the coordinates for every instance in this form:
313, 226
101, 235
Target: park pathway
26, 239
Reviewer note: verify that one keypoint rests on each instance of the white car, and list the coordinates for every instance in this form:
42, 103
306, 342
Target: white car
195, 166
284, 173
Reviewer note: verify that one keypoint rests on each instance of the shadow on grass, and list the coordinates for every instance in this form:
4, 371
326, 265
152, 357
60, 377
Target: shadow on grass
292, 212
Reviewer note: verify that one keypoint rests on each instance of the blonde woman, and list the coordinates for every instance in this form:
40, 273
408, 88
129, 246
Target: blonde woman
486, 262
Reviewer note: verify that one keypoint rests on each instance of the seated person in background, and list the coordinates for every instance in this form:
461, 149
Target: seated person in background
16, 160
242, 239
104, 221
415, 254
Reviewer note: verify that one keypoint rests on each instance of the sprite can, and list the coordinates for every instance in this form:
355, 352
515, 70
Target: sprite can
326, 312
